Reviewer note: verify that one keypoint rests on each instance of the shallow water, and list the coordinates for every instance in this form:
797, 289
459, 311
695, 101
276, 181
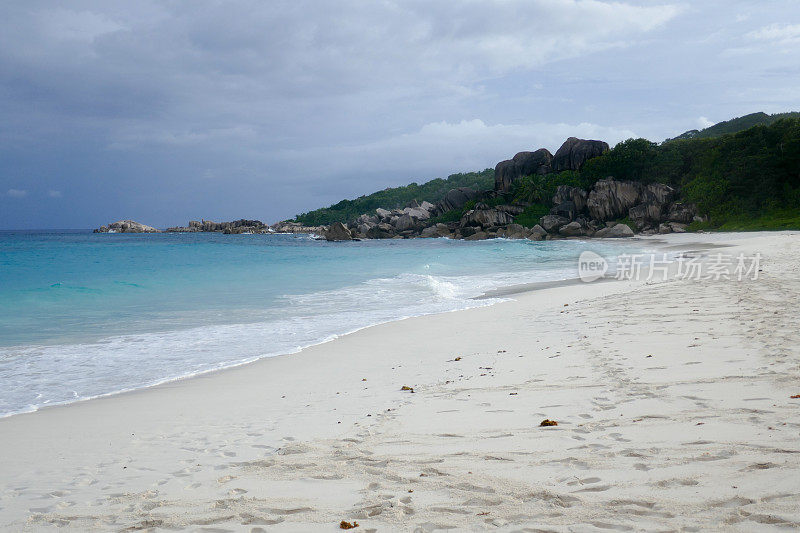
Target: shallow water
83, 315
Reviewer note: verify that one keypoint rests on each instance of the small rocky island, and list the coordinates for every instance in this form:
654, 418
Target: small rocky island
127, 226
610, 208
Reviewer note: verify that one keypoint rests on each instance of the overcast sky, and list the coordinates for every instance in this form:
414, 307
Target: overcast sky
165, 111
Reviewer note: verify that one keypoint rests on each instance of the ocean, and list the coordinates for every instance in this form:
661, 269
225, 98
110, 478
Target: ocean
84, 315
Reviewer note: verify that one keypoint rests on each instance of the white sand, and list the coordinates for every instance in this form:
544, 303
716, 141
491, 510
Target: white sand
703, 435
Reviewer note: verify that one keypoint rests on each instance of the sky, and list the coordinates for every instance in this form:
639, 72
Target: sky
174, 110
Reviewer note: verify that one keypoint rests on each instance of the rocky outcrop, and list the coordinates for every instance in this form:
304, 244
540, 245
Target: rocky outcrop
575, 152
337, 232
295, 227
573, 229
576, 212
611, 199
235, 226
486, 217
683, 213
615, 231
127, 226
522, 164
436, 231
380, 231
576, 195
658, 193
538, 233
404, 222
552, 223
456, 199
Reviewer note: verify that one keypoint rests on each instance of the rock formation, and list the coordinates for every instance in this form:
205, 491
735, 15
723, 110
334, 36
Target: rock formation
575, 213
337, 232
611, 199
566, 193
522, 164
126, 226
235, 226
486, 217
615, 231
455, 199
575, 152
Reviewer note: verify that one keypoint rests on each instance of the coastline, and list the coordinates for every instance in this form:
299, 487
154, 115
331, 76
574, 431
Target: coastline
301, 440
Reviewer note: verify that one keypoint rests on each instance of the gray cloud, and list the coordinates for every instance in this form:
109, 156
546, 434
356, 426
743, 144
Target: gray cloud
168, 110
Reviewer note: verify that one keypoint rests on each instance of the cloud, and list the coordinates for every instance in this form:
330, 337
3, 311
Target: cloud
782, 33
703, 123
189, 73
16, 193
53, 193
177, 100
470, 144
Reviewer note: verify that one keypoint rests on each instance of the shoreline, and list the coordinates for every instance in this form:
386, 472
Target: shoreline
500, 293
326, 434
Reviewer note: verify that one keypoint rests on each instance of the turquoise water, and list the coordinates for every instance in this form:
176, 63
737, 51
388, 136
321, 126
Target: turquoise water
85, 314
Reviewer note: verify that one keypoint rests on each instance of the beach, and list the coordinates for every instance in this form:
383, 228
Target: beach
672, 399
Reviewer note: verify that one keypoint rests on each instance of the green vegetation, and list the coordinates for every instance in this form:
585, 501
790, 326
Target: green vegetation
395, 197
540, 188
530, 217
735, 125
733, 177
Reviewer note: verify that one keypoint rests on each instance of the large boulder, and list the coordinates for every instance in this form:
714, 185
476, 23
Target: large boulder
437, 230
514, 231
381, 231
127, 226
650, 213
646, 215
551, 223
383, 213
522, 164
615, 231
417, 212
367, 219
682, 213
576, 195
575, 152
537, 233
364, 228
337, 232
477, 236
658, 193
573, 229
486, 218
405, 222
611, 199
455, 199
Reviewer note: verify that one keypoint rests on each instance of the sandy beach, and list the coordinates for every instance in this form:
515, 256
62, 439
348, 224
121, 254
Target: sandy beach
673, 403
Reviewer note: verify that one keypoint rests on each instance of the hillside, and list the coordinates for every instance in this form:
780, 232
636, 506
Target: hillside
393, 197
734, 125
744, 180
